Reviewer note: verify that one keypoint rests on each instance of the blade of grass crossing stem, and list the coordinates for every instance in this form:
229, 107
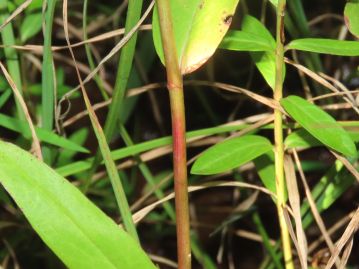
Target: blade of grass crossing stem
105, 150
278, 137
12, 60
48, 78
89, 54
123, 72
80, 166
147, 174
198, 252
175, 88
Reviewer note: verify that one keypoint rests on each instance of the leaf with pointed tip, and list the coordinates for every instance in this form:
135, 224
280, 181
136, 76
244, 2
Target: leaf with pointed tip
301, 138
230, 154
78, 232
199, 26
351, 16
319, 124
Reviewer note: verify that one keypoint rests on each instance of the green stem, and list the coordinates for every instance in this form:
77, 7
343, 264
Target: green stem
278, 137
48, 78
175, 87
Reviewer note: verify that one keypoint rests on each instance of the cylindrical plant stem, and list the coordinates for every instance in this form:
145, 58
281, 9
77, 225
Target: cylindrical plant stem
278, 137
175, 87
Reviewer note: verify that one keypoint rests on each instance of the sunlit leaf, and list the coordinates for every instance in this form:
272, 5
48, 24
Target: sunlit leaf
244, 41
256, 39
264, 61
230, 154
274, 2
319, 124
199, 26
80, 234
351, 16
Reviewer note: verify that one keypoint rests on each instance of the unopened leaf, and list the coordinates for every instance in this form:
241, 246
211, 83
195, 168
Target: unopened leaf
199, 26
319, 124
327, 46
80, 234
351, 16
230, 154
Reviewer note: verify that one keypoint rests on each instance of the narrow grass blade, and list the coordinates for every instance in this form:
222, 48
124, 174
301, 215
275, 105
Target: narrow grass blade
105, 150
123, 72
48, 77
326, 46
81, 166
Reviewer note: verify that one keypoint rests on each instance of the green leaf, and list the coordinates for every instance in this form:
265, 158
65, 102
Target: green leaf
243, 41
5, 97
274, 2
319, 124
327, 46
230, 154
80, 234
329, 189
199, 26
44, 135
252, 25
351, 17
79, 137
266, 170
30, 26
264, 61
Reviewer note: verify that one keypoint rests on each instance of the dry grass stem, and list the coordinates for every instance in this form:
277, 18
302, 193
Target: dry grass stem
20, 99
